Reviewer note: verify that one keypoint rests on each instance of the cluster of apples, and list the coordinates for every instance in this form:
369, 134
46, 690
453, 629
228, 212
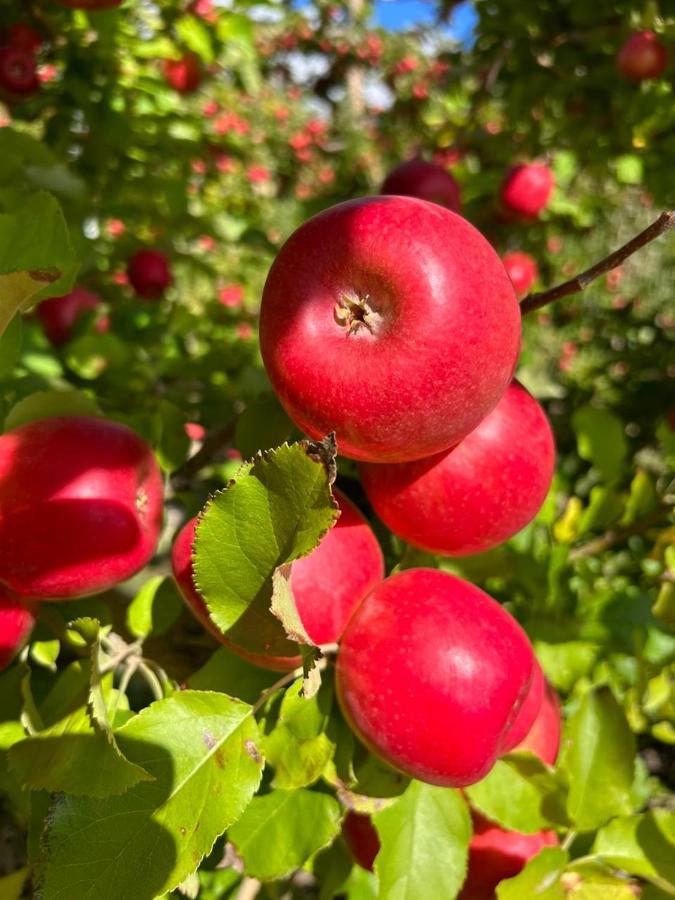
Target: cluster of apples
81, 502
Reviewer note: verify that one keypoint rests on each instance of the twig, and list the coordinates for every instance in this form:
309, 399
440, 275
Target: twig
328, 652
617, 535
249, 889
575, 285
214, 444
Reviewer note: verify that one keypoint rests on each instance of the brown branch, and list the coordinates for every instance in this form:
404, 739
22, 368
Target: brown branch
575, 285
215, 443
618, 535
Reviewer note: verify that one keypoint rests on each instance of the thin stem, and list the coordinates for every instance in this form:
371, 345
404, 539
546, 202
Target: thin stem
617, 535
569, 839
214, 444
575, 285
250, 888
290, 677
151, 680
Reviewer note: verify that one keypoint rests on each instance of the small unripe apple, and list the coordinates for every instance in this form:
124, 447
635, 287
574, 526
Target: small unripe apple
16, 624
522, 270
527, 189
417, 178
18, 73
184, 74
23, 36
528, 712
149, 273
496, 854
59, 315
543, 738
431, 674
643, 56
362, 839
80, 506
476, 495
327, 585
392, 322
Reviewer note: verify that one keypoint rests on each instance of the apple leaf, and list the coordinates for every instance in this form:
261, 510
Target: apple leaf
155, 608
540, 878
601, 440
231, 674
521, 794
642, 845
202, 752
281, 830
424, 837
44, 404
598, 757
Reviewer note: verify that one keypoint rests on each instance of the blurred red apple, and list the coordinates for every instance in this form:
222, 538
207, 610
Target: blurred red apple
643, 56
18, 73
59, 315
184, 74
527, 189
149, 273
522, 270
417, 178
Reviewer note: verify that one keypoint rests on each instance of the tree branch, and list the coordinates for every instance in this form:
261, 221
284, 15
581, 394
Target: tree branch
618, 535
575, 285
214, 444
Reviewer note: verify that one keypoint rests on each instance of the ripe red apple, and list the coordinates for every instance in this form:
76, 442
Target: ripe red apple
18, 73
476, 495
25, 37
431, 674
522, 270
327, 585
59, 315
80, 506
527, 189
543, 738
184, 74
642, 56
360, 836
417, 178
528, 712
496, 854
392, 322
16, 624
149, 273
90, 5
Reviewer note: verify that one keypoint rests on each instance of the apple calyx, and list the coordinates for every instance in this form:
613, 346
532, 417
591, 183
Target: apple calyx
354, 312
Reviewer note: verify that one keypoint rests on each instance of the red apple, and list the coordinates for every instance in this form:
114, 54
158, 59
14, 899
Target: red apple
362, 839
18, 73
392, 322
496, 854
543, 738
59, 315
522, 270
149, 273
642, 56
527, 189
80, 506
24, 37
90, 5
184, 74
16, 624
431, 674
417, 178
327, 585
528, 712
476, 495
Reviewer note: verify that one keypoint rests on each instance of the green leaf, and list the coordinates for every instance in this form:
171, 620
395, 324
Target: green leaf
282, 830
600, 440
261, 425
229, 673
643, 845
540, 878
629, 169
196, 36
565, 663
91, 354
44, 404
598, 757
45, 653
641, 499
595, 883
11, 886
424, 837
276, 510
170, 442
155, 608
201, 750
520, 794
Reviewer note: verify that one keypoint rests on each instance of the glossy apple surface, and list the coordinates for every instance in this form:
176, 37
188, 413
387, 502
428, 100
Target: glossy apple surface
392, 322
16, 624
59, 315
543, 738
496, 854
18, 73
522, 270
431, 675
149, 273
80, 506
478, 494
184, 74
327, 585
642, 56
527, 189
417, 178
528, 712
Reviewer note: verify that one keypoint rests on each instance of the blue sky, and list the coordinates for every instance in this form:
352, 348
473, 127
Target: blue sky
399, 14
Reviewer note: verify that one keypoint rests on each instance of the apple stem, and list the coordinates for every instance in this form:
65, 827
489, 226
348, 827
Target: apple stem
575, 285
